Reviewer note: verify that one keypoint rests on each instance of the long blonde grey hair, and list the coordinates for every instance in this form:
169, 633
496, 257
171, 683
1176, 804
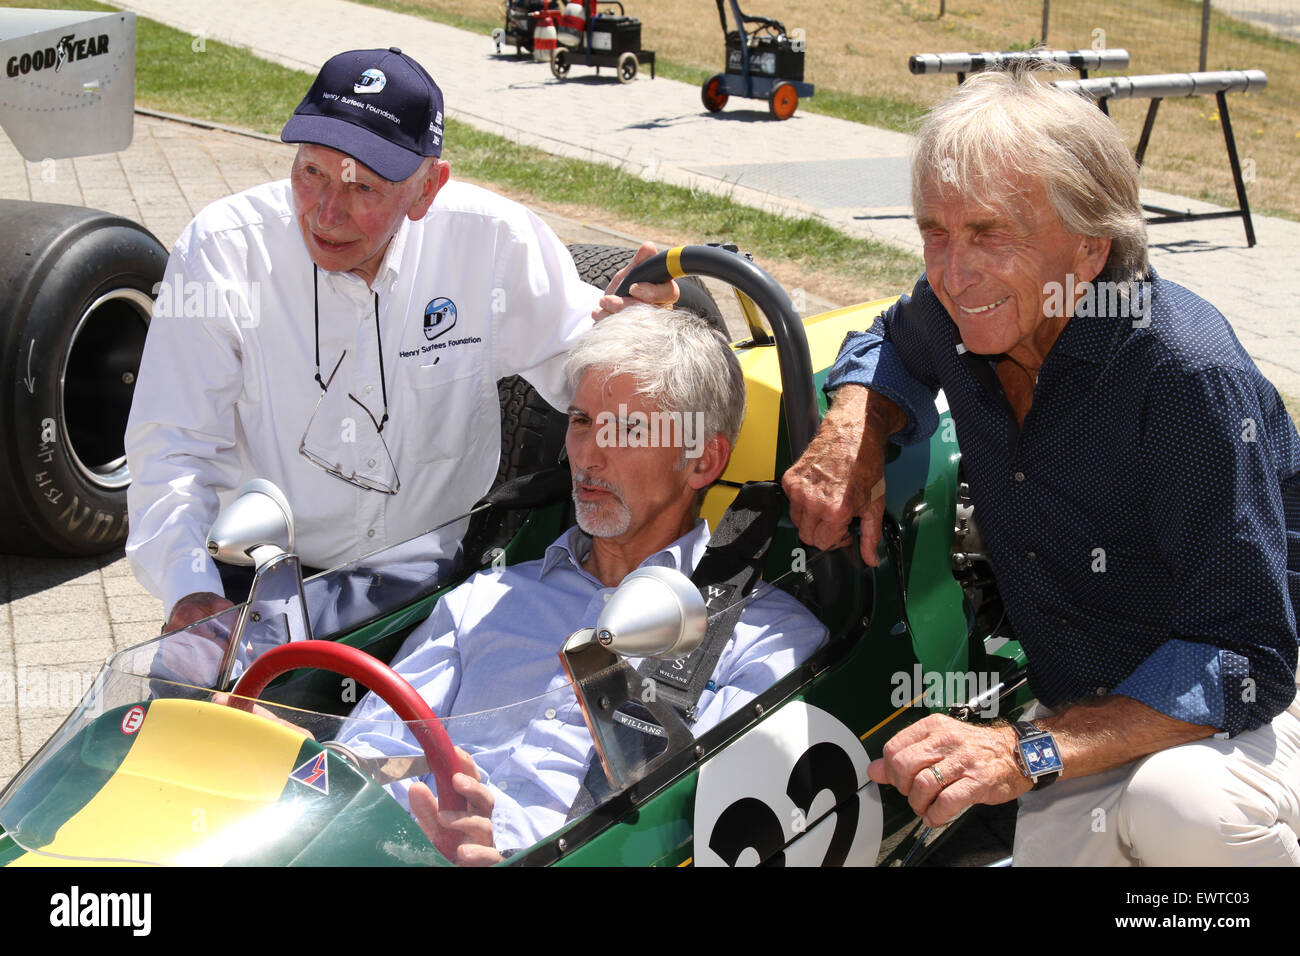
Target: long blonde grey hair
1000, 121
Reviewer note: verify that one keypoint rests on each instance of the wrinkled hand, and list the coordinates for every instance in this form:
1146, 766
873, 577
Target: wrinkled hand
977, 763
471, 827
841, 476
194, 607
664, 293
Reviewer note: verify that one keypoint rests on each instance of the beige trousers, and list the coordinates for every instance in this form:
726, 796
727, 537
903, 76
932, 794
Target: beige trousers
1207, 803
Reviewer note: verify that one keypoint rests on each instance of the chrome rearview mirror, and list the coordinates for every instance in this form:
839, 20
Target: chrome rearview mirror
254, 528
655, 612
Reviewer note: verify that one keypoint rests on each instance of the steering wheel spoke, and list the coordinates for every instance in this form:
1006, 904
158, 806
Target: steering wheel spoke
395, 691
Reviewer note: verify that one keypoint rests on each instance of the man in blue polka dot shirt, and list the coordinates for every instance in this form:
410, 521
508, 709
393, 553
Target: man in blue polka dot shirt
1135, 480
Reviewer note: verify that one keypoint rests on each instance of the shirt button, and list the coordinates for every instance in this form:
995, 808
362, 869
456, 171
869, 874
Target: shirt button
503, 786
369, 389
370, 463
550, 713
1020, 476
605, 597
1032, 556
370, 533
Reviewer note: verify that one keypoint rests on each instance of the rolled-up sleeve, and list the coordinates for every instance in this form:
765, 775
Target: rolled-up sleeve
892, 358
1219, 521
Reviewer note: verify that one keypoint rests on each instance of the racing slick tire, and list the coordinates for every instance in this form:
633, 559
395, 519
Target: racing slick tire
78, 287
532, 433
597, 265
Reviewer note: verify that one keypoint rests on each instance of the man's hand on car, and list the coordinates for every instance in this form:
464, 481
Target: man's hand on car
662, 293
471, 826
841, 475
194, 607
943, 766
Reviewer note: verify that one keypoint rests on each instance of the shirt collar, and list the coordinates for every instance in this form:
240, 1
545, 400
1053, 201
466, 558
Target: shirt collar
385, 277
1094, 338
571, 549
390, 267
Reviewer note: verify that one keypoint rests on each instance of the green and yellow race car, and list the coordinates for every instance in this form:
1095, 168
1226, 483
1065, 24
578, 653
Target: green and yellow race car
227, 743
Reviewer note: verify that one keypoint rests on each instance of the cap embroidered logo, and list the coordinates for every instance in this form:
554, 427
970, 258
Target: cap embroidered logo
371, 81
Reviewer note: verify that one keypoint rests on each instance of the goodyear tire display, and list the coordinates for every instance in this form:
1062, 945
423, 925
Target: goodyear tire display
77, 290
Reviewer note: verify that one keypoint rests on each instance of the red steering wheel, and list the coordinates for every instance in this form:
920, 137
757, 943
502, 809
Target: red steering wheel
395, 691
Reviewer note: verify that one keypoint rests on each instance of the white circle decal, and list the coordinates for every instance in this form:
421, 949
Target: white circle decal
793, 791
132, 720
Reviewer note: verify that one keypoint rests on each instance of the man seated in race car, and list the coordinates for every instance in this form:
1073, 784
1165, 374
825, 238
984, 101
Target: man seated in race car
494, 640
341, 333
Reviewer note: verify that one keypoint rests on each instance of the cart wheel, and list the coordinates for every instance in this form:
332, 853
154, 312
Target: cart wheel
627, 68
560, 63
714, 99
783, 101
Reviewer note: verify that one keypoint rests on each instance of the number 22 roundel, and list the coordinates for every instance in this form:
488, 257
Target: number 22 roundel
792, 792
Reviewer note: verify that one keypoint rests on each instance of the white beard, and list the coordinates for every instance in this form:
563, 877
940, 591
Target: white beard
607, 519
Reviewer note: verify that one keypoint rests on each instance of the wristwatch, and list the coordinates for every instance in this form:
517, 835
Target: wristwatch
1037, 754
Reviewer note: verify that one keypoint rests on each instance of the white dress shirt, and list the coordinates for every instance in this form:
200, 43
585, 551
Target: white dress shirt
486, 661
226, 383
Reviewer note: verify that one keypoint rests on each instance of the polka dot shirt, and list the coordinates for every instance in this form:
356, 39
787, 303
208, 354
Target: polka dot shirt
1144, 521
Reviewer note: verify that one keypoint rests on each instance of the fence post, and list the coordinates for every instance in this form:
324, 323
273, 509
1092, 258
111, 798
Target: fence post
1205, 31
1047, 8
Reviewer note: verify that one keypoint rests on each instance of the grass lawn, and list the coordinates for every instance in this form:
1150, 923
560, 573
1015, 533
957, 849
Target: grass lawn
857, 57
231, 86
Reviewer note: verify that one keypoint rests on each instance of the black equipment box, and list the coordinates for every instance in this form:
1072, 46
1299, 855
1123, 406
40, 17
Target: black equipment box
615, 35
768, 56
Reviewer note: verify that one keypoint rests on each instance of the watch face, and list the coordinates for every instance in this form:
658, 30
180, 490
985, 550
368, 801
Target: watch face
1040, 756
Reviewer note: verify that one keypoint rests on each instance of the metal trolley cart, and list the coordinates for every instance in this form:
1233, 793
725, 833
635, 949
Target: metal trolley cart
589, 38
521, 22
766, 63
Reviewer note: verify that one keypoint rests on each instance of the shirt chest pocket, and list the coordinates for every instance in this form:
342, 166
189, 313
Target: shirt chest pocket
445, 392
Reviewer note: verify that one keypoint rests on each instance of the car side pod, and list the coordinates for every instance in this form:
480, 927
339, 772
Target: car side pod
256, 529
654, 612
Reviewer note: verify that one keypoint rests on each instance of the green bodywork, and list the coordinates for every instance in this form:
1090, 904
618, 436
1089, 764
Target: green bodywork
907, 616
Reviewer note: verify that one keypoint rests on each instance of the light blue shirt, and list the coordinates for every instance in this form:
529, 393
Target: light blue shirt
494, 643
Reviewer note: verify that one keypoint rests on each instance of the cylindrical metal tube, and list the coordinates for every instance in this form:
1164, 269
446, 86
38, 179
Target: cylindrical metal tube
1167, 84
974, 62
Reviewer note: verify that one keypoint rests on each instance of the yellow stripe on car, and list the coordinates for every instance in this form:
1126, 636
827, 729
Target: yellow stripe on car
198, 782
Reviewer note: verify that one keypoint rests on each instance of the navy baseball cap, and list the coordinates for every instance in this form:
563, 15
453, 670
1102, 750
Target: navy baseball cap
378, 106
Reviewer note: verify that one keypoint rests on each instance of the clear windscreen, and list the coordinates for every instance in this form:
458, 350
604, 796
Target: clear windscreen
155, 766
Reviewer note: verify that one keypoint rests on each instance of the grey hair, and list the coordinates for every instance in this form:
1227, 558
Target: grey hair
678, 361
1008, 119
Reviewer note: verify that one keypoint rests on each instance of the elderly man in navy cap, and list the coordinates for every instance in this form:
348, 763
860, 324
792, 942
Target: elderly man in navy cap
341, 333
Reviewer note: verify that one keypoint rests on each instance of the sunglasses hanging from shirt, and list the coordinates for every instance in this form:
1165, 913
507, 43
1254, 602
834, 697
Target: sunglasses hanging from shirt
361, 460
